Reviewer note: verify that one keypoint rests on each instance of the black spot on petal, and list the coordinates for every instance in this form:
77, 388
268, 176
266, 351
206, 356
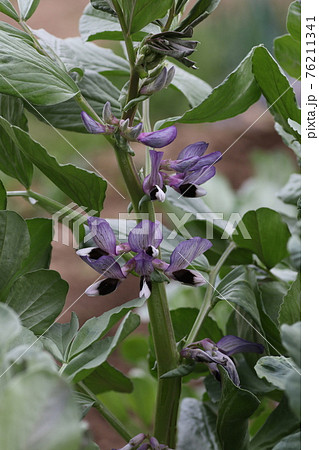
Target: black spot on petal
107, 286
188, 190
153, 193
96, 253
184, 276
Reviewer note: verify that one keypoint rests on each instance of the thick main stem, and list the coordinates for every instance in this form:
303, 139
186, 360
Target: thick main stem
168, 390
207, 303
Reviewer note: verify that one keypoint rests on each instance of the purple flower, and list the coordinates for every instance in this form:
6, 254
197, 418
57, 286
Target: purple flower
182, 257
158, 139
192, 169
153, 183
101, 258
206, 351
144, 240
95, 127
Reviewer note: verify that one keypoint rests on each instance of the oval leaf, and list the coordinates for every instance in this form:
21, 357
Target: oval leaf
85, 188
42, 82
38, 298
267, 235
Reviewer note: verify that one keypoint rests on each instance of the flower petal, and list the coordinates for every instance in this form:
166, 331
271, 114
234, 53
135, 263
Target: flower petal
197, 149
186, 252
227, 363
207, 160
92, 125
144, 235
155, 178
200, 176
143, 264
106, 265
103, 234
230, 345
102, 287
160, 138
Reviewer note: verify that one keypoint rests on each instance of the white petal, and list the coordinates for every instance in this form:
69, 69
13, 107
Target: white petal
85, 251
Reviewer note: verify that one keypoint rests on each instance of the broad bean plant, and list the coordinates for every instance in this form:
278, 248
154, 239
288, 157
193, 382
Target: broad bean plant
226, 367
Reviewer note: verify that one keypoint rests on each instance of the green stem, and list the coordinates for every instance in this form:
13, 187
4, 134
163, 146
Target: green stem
128, 171
168, 389
147, 129
106, 413
170, 18
207, 303
48, 203
126, 34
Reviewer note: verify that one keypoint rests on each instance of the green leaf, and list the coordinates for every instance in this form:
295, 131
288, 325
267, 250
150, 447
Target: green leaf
288, 53
57, 339
3, 196
291, 442
10, 326
107, 378
8, 9
232, 97
93, 356
194, 89
276, 89
199, 12
290, 310
294, 20
279, 424
73, 52
15, 32
42, 82
83, 187
180, 371
196, 426
27, 8
291, 192
139, 13
275, 369
291, 339
84, 402
96, 89
183, 320
272, 295
96, 327
14, 247
269, 235
40, 405
95, 24
40, 230
38, 298
12, 161
235, 288
235, 407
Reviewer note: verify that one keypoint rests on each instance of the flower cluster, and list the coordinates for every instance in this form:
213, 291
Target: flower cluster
155, 139
191, 170
143, 240
143, 442
206, 351
175, 44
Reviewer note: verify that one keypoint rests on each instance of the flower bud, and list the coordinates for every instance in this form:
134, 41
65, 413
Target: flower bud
160, 138
156, 85
92, 125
